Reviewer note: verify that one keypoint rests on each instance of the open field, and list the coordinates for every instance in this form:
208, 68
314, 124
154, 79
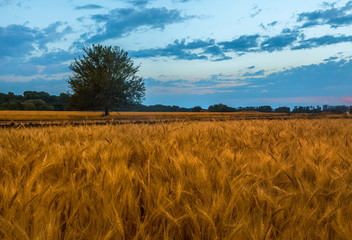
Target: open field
77, 115
254, 179
61, 118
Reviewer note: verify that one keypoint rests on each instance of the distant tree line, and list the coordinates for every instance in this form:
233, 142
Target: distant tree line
43, 101
32, 100
296, 109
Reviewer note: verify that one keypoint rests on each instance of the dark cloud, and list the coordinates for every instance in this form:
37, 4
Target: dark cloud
335, 17
213, 51
20, 40
321, 41
330, 59
245, 43
17, 40
272, 23
139, 3
177, 50
182, 50
88, 7
327, 78
217, 53
121, 22
258, 73
303, 85
279, 42
196, 44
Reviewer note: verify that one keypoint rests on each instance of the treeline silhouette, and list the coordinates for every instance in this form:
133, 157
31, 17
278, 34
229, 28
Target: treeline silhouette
43, 101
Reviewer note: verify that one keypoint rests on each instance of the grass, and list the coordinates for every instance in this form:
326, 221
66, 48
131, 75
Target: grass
254, 179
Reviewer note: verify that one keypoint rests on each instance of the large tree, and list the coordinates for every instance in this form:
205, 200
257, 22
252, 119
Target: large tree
104, 78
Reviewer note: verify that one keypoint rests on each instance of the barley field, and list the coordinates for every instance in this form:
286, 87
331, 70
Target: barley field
253, 179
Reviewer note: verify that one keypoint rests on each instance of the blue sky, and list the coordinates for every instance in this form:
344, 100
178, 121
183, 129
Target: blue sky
191, 52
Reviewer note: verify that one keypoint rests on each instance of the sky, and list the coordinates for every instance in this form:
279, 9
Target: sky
190, 52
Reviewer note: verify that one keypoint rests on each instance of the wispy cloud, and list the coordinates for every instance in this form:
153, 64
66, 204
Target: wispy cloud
253, 74
334, 17
139, 3
256, 12
17, 40
279, 42
121, 22
182, 50
183, 87
322, 41
245, 43
20, 40
88, 7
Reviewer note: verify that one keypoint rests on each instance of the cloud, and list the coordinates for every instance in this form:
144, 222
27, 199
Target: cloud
257, 11
215, 84
211, 50
181, 1
88, 7
257, 43
17, 40
182, 50
279, 42
334, 17
53, 34
139, 3
327, 78
321, 41
217, 53
272, 23
53, 57
20, 40
6, 2
245, 43
268, 25
287, 39
258, 73
121, 22
47, 64
317, 84
329, 4
330, 59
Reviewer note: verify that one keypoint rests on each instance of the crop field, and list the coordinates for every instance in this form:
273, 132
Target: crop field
15, 119
248, 179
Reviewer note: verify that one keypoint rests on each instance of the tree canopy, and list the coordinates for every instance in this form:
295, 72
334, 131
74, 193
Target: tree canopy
105, 78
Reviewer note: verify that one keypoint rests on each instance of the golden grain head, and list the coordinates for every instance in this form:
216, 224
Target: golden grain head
254, 179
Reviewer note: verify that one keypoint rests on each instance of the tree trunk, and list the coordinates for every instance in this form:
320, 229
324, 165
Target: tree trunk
106, 112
